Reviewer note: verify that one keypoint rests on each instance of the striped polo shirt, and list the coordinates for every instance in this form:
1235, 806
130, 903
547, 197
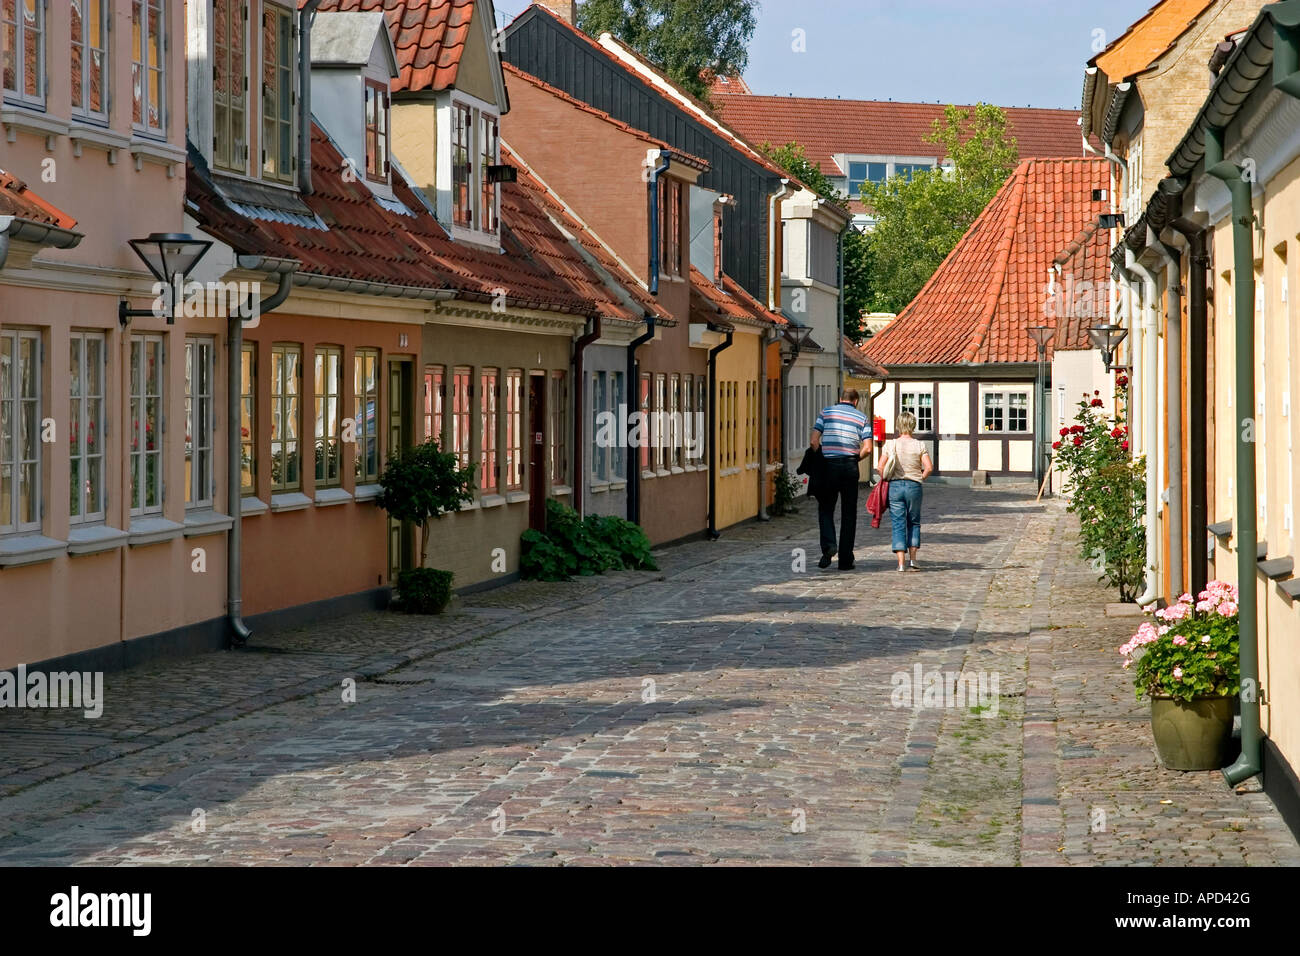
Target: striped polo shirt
843, 429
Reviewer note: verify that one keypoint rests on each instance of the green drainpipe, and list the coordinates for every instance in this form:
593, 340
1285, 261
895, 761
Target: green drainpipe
1286, 48
1246, 532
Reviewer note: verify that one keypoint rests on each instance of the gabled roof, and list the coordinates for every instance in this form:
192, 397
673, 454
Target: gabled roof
1082, 288
614, 291
357, 237
729, 302
428, 35
17, 200
976, 307
1150, 36
859, 362
868, 127
632, 63
680, 155
348, 39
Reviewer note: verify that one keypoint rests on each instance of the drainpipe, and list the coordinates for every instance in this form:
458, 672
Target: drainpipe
1147, 357
1245, 526
284, 269
305, 17
871, 414
653, 186
773, 243
634, 391
580, 410
839, 345
1173, 408
713, 435
1198, 511
764, 342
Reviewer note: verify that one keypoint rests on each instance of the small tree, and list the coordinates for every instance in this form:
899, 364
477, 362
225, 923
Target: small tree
424, 483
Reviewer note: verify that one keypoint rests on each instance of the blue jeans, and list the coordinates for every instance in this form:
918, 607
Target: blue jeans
905, 513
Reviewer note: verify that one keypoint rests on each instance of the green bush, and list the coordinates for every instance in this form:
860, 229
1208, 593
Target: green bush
423, 591
572, 545
1107, 490
422, 484
788, 487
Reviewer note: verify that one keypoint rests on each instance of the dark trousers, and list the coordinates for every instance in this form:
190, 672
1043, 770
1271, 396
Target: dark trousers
842, 484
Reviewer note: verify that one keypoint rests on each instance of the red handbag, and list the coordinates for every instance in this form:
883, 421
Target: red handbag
878, 502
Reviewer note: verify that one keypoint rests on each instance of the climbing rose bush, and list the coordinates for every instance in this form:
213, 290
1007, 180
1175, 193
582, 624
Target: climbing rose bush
1107, 490
1188, 649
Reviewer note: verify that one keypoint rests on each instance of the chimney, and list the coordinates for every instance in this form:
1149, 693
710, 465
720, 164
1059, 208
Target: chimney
566, 10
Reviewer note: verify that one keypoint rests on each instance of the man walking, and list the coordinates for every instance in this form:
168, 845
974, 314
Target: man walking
843, 435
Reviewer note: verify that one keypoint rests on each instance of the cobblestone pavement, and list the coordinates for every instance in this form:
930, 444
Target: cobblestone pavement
733, 708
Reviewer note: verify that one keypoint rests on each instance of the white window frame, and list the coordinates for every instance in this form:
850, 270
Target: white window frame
238, 165
91, 502
905, 406
478, 111
88, 49
283, 176
18, 94
141, 68
1006, 394
9, 523
199, 403
138, 430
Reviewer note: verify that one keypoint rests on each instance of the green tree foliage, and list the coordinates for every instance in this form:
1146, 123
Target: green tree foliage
919, 220
684, 38
424, 483
857, 247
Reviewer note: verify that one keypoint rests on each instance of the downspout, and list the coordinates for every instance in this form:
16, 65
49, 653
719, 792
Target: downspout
764, 342
1198, 512
633, 454
774, 239
713, 434
285, 269
871, 414
653, 187
580, 410
1147, 356
305, 17
1173, 409
1245, 524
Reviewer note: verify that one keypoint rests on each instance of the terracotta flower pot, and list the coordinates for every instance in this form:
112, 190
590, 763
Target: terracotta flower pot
1192, 734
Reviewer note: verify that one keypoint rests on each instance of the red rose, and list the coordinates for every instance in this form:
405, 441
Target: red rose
1064, 432
1122, 381
1076, 429
1077, 441
1117, 433
1124, 445
1096, 392
1055, 445
1097, 403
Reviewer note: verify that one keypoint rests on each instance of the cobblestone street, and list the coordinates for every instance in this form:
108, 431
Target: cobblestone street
726, 710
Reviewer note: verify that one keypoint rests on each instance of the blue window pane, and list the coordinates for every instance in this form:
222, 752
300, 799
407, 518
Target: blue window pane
857, 171
876, 172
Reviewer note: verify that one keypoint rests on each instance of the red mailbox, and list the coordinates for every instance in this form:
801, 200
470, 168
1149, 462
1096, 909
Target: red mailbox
879, 429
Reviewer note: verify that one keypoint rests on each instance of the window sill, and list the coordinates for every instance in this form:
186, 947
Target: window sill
515, 497
84, 133
1277, 568
617, 485
206, 521
662, 472
153, 529
367, 492
29, 549
332, 496
15, 117
491, 501
728, 472
469, 506
599, 487
677, 470
155, 151
251, 505
773, 466
94, 539
561, 490
751, 466
290, 501
647, 475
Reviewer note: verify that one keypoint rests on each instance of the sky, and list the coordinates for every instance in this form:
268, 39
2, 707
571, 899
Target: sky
1007, 52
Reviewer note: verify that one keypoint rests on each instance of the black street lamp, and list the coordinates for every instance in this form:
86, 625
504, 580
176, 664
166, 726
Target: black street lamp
1106, 339
1042, 335
169, 256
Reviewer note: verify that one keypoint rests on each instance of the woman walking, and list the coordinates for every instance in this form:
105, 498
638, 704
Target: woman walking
910, 466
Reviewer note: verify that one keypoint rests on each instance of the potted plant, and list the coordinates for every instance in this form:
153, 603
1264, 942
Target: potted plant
419, 485
1188, 665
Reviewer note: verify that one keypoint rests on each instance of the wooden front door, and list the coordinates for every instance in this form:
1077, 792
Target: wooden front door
537, 450
401, 535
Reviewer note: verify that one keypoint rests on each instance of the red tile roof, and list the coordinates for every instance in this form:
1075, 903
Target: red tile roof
858, 361
365, 241
567, 263
1082, 288
17, 200
993, 285
697, 161
726, 84
429, 36
867, 127
731, 302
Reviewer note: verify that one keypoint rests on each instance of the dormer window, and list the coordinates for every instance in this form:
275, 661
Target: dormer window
377, 105
148, 66
90, 58
277, 93
240, 64
474, 148
670, 226
22, 51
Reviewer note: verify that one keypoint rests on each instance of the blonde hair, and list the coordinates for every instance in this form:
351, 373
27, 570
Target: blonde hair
906, 423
